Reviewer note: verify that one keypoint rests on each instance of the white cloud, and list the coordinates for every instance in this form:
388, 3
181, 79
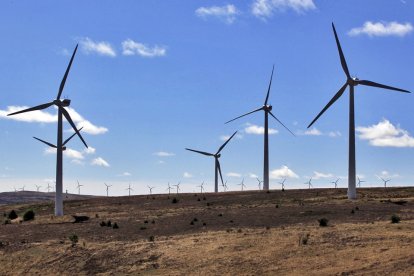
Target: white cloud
225, 13
125, 174
160, 162
313, 132
254, 129
265, 8
233, 174
387, 174
283, 172
187, 175
70, 153
252, 175
100, 162
90, 150
382, 29
41, 116
163, 154
131, 48
385, 134
319, 175
101, 48
77, 162
334, 134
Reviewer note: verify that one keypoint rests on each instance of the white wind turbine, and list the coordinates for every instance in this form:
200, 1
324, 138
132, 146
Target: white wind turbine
385, 181
309, 183
336, 183
242, 185
259, 183
283, 184
169, 188
78, 187
129, 190
38, 187
107, 189
225, 186
178, 187
360, 181
22, 188
150, 189
48, 187
201, 187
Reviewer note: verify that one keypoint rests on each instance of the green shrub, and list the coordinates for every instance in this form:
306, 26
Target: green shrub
12, 215
323, 222
395, 219
29, 215
73, 239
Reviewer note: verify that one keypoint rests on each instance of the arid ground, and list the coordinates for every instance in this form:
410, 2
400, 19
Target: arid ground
232, 233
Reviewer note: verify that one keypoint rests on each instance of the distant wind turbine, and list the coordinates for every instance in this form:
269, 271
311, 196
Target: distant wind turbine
150, 189
129, 190
259, 182
216, 156
48, 187
360, 181
78, 187
169, 188
38, 187
201, 187
178, 187
225, 186
267, 110
22, 188
336, 183
385, 181
351, 82
242, 185
60, 104
283, 184
309, 183
107, 189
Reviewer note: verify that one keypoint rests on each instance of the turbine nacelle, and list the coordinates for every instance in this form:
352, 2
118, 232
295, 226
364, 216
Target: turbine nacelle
62, 103
217, 155
353, 81
267, 107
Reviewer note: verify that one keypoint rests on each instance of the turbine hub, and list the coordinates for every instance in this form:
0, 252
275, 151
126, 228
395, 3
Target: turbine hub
267, 107
218, 155
65, 102
63, 148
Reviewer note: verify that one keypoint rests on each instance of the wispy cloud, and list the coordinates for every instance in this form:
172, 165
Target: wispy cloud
125, 174
187, 175
316, 132
254, 129
131, 48
41, 116
102, 48
253, 175
71, 153
99, 162
233, 174
283, 172
225, 13
319, 175
387, 174
226, 137
382, 29
313, 132
266, 8
385, 134
163, 154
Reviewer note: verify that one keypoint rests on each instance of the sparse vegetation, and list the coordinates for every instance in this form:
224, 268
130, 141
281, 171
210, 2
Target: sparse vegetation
175, 200
395, 219
115, 226
12, 215
73, 239
103, 223
109, 223
303, 239
323, 222
151, 238
29, 215
7, 221
142, 228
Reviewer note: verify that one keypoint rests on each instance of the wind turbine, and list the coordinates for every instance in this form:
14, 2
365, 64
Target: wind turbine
360, 181
107, 189
259, 183
38, 187
178, 187
22, 189
48, 187
267, 108
217, 168
15, 189
351, 82
60, 104
129, 190
385, 181
79, 185
63, 144
309, 183
201, 187
225, 186
150, 188
242, 184
283, 184
169, 188
336, 183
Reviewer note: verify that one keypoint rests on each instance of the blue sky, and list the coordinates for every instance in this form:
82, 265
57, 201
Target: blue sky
153, 77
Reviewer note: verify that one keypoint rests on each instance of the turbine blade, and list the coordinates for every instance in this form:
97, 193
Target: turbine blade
336, 97
270, 112
67, 116
44, 142
341, 54
219, 169
201, 152
222, 146
38, 107
374, 84
67, 140
244, 115
270, 84
62, 83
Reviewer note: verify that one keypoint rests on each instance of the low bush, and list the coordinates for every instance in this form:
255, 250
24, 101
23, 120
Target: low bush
175, 200
12, 215
73, 239
109, 223
29, 215
7, 221
115, 226
323, 222
103, 223
395, 219
151, 238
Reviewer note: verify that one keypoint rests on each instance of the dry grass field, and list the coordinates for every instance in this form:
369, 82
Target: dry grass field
233, 233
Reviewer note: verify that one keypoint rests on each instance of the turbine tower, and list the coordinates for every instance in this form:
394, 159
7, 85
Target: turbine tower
201, 187
107, 189
351, 82
267, 108
283, 184
60, 104
79, 185
360, 181
169, 188
309, 183
242, 184
150, 189
385, 181
217, 168
129, 190
178, 187
48, 187
38, 187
